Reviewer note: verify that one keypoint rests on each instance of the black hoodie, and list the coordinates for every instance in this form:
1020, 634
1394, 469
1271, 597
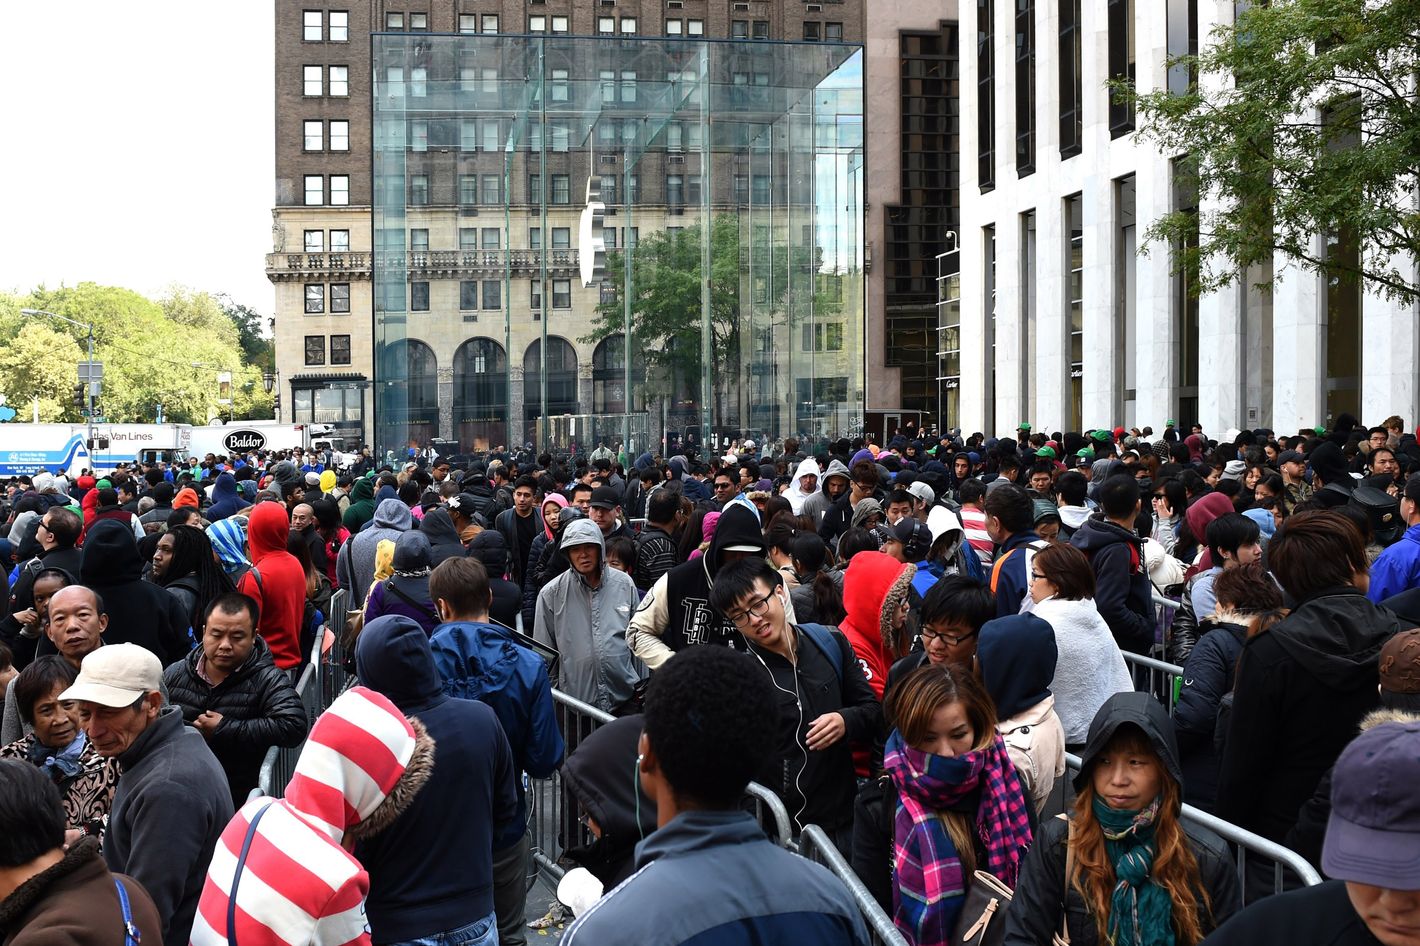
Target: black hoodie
1123, 593
1301, 691
438, 527
1035, 909
139, 612
597, 776
691, 620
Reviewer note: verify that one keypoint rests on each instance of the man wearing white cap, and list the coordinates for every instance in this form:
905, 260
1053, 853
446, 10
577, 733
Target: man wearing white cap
172, 800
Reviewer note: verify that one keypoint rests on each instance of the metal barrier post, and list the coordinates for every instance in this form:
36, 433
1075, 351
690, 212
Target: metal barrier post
815, 846
1245, 841
1156, 677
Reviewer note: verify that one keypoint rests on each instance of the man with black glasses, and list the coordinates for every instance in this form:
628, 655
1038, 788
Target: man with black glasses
725, 489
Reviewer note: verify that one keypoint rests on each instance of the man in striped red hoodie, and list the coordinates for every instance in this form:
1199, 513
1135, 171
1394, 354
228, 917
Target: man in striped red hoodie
284, 861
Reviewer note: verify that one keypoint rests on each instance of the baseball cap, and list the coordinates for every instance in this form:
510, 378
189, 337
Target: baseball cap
1291, 456
1100, 435
116, 675
1023, 426
1400, 663
1234, 470
749, 444
923, 492
1373, 834
1046, 452
605, 497
1170, 423
915, 537
465, 503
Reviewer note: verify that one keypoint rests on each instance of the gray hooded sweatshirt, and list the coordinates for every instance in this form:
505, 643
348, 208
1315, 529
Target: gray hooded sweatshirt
587, 627
817, 504
355, 566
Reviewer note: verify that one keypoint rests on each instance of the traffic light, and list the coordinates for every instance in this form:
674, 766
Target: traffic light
79, 398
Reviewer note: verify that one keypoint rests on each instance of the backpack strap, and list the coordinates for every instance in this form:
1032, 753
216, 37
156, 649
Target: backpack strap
132, 936
237, 876
823, 639
996, 569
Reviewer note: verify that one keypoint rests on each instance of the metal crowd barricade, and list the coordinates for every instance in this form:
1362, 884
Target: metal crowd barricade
1244, 843
1157, 677
333, 679
280, 762
816, 846
1164, 609
552, 814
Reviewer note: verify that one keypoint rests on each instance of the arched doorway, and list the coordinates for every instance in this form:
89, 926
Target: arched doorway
481, 394
561, 381
408, 376
609, 394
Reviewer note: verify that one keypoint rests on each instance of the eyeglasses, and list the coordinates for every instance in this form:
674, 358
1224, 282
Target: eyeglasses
724, 485
44, 525
1036, 576
757, 608
929, 637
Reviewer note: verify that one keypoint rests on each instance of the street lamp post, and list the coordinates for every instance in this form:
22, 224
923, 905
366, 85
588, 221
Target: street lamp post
89, 385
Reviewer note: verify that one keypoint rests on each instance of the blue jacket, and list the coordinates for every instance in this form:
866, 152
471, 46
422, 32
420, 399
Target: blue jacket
482, 662
1207, 676
1011, 583
731, 886
225, 500
1398, 567
431, 870
1123, 593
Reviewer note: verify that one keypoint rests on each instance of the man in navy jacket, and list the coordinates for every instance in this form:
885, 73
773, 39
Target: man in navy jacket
1123, 593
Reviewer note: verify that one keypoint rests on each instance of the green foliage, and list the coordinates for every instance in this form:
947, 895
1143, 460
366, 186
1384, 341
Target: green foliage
166, 352
1272, 176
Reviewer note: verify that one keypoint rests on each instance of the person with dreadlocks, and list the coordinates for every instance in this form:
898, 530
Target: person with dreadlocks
1124, 867
184, 564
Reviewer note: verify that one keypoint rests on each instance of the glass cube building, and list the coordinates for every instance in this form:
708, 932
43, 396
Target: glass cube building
584, 240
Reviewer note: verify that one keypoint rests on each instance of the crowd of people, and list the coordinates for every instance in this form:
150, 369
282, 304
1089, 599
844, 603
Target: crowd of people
901, 641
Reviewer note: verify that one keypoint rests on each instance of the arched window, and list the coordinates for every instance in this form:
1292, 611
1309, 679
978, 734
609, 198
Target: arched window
609, 377
408, 378
561, 379
481, 394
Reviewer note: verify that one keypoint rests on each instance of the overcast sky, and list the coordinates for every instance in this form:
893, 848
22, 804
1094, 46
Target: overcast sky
137, 145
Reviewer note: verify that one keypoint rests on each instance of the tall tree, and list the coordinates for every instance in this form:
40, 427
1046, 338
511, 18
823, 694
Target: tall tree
1276, 177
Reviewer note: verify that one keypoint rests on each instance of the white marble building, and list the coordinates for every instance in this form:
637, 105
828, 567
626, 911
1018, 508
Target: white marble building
1143, 352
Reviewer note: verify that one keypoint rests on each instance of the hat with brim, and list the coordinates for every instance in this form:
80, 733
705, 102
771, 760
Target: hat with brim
115, 676
1373, 832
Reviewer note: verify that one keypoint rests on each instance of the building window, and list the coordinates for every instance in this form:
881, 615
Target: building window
340, 298
311, 76
628, 25
339, 190
492, 238
419, 240
339, 26
315, 349
760, 30
468, 23
1027, 296
535, 238
1121, 65
559, 24
315, 298
675, 190
609, 235
468, 294
833, 33
340, 241
561, 189
1182, 40
1025, 87
468, 134
340, 349
608, 189
315, 190
739, 29
1075, 303
419, 296
339, 80
311, 26
1071, 89
313, 135
561, 136
537, 24
628, 86
560, 85
418, 82
419, 22
562, 293
536, 297
1183, 175
561, 238
340, 136
468, 238
419, 190
492, 189
811, 31
986, 94
315, 241
490, 22
394, 81
419, 136
674, 27
394, 22
492, 294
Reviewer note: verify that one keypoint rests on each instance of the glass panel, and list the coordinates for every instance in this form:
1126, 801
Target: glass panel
766, 200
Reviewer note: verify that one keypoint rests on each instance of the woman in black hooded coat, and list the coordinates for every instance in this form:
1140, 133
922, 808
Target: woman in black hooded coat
438, 527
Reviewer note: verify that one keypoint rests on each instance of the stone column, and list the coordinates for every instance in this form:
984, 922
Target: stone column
1298, 343
445, 378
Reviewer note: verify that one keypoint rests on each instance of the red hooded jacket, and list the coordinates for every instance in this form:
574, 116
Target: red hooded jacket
281, 590
874, 585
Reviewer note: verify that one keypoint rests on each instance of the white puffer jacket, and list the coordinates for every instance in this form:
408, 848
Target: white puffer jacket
1089, 669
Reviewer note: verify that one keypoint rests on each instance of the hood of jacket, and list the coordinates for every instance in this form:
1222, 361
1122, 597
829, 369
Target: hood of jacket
362, 765
835, 468
1072, 517
1337, 637
874, 586
412, 553
225, 487
393, 514
363, 490
595, 774
1097, 532
738, 525
1203, 511
584, 532
111, 554
1016, 656
438, 527
1139, 709
393, 657
941, 521
490, 548
558, 500
267, 530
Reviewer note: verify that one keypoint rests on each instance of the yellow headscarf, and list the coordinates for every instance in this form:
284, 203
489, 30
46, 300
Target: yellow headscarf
327, 481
